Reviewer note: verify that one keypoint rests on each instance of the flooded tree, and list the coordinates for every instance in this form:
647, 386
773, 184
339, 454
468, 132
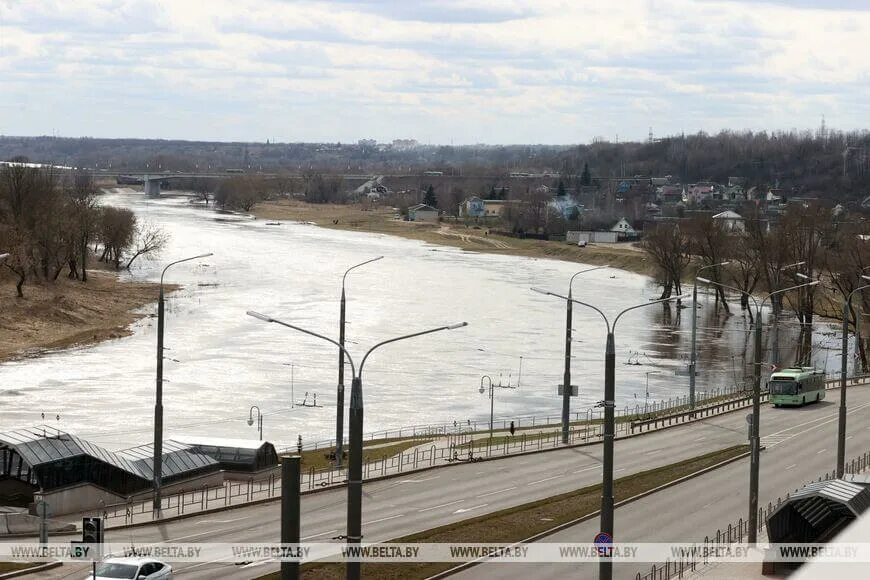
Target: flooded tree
669, 247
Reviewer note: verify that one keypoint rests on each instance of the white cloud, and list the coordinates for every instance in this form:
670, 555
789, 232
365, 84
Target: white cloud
568, 69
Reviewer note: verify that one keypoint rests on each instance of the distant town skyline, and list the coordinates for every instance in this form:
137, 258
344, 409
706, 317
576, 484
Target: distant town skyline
440, 72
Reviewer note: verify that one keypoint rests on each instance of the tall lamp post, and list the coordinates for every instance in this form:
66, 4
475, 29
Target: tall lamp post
754, 438
693, 356
339, 399
354, 472
492, 388
774, 359
259, 419
609, 403
158, 404
841, 423
566, 379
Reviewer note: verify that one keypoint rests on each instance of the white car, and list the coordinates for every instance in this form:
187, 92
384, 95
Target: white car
132, 569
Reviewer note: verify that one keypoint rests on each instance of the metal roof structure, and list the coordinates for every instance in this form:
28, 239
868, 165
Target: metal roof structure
178, 459
818, 511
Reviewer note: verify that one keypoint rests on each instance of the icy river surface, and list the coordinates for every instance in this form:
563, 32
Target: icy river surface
219, 361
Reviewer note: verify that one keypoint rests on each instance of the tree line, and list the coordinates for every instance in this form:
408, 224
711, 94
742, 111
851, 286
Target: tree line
807, 241
52, 221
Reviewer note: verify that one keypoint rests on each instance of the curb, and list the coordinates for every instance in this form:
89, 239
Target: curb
591, 515
25, 571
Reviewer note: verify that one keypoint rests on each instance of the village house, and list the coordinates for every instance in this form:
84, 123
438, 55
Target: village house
731, 221
422, 213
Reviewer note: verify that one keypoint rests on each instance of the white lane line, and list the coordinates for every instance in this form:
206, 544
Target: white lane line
318, 535
543, 480
706, 506
435, 507
383, 519
849, 437
820, 451
700, 438
496, 491
194, 535
648, 453
419, 480
222, 521
791, 466
618, 470
588, 469
463, 510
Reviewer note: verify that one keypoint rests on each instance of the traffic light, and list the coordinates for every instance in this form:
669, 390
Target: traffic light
92, 530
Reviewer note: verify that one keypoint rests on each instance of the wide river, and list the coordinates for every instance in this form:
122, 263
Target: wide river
220, 361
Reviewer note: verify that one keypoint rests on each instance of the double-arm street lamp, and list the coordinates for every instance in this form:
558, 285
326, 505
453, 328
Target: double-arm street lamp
566, 379
259, 419
158, 405
754, 438
354, 471
841, 423
609, 404
339, 400
492, 388
693, 356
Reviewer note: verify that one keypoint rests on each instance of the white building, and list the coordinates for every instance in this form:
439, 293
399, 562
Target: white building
731, 221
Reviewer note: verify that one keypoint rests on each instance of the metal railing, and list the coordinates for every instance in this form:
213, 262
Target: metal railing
736, 532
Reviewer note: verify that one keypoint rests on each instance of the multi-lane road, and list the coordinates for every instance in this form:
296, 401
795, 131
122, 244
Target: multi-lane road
800, 445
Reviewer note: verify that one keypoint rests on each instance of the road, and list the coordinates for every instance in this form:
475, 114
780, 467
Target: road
801, 444
793, 454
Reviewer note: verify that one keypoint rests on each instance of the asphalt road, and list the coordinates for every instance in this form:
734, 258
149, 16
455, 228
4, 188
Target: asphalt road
688, 512
801, 444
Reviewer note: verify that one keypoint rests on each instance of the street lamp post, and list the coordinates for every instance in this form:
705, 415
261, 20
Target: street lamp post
693, 355
339, 399
841, 423
774, 359
754, 437
609, 404
158, 404
355, 431
492, 388
259, 419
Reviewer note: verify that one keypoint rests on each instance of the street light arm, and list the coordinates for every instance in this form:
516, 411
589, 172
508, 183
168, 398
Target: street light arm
571, 283
265, 318
708, 266
595, 308
727, 287
251, 412
781, 290
355, 267
406, 336
630, 308
169, 265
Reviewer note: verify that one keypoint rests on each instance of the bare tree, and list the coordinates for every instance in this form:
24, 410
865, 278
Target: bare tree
668, 246
149, 241
710, 240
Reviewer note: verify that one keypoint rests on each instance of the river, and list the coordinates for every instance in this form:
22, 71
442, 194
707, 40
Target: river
220, 361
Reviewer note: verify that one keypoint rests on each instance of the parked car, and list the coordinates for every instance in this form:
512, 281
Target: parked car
582, 243
132, 569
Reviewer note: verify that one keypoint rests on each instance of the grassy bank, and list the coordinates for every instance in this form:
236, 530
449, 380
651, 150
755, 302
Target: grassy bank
68, 313
383, 220
372, 450
520, 522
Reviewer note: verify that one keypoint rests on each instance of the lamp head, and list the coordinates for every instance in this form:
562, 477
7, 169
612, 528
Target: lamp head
540, 291
802, 276
457, 325
3, 257
725, 263
259, 316
250, 421
813, 283
864, 277
703, 280
203, 256
481, 389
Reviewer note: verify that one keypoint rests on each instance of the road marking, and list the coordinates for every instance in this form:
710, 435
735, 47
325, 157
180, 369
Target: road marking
194, 535
419, 480
652, 452
543, 480
700, 439
383, 519
497, 491
435, 507
318, 535
790, 466
463, 510
849, 437
222, 521
588, 469
257, 563
705, 506
820, 451
618, 470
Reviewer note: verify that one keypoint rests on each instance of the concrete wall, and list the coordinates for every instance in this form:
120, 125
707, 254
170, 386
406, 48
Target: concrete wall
592, 237
80, 498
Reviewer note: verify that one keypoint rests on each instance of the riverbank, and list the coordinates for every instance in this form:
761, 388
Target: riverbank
69, 313
458, 235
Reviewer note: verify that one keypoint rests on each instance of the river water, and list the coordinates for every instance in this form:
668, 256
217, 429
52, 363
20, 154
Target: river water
220, 361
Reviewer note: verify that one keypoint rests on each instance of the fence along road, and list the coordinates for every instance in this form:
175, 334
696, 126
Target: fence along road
412, 503
698, 507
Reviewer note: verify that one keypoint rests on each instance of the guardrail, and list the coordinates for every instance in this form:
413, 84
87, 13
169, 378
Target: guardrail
527, 421
736, 532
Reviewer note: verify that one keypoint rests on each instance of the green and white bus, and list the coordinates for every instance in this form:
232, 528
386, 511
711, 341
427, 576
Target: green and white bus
797, 386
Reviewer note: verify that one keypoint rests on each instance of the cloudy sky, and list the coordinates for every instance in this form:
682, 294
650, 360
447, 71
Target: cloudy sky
460, 71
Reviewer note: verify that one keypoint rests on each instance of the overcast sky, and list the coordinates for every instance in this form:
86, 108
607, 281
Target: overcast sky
460, 71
